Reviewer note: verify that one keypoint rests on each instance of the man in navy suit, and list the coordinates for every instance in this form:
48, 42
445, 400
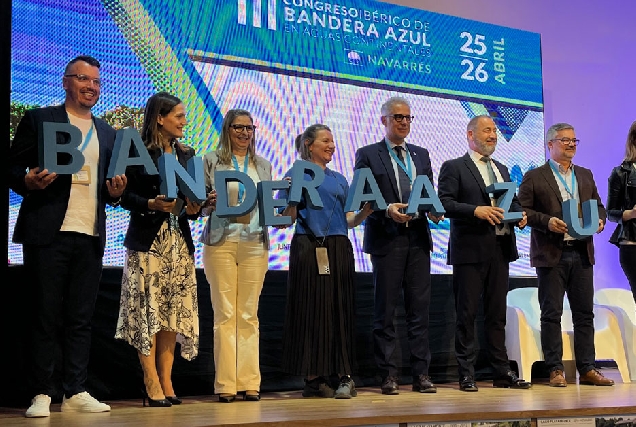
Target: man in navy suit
62, 228
480, 249
564, 264
399, 246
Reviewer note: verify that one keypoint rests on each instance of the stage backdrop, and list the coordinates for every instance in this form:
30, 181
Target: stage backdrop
291, 63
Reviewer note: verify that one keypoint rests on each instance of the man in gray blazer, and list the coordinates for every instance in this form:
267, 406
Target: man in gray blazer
564, 264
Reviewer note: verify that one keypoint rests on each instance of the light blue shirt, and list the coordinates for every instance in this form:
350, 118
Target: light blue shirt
567, 176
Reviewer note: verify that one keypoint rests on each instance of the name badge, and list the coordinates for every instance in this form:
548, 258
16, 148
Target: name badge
322, 258
83, 176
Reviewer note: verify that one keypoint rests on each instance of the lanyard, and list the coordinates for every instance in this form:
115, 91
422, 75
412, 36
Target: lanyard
407, 158
573, 181
241, 191
333, 208
88, 136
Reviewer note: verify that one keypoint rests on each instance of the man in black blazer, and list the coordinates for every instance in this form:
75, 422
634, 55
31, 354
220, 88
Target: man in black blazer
62, 228
564, 264
399, 246
480, 249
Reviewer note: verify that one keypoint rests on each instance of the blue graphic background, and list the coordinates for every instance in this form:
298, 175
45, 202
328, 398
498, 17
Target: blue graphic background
200, 52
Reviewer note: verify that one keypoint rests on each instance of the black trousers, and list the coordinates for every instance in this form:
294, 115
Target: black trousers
472, 283
573, 275
627, 257
64, 279
405, 268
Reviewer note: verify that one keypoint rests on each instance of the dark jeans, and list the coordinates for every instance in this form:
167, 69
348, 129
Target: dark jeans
573, 275
405, 268
472, 283
627, 256
64, 280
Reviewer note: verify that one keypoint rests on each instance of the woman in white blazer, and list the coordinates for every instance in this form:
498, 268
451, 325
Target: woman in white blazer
235, 260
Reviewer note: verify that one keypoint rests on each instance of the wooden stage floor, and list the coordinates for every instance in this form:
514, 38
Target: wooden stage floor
370, 408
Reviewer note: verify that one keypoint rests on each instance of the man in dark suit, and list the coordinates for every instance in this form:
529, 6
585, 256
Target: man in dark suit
480, 249
564, 264
62, 228
399, 246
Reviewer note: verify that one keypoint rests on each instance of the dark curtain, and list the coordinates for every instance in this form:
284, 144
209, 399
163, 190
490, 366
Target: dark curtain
114, 371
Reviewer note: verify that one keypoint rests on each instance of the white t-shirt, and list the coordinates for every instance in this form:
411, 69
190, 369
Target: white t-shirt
81, 213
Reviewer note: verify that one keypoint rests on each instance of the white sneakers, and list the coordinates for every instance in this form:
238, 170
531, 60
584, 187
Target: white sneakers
39, 406
83, 402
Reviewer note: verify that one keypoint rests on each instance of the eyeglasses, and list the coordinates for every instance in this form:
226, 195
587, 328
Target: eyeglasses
400, 117
83, 78
568, 141
241, 128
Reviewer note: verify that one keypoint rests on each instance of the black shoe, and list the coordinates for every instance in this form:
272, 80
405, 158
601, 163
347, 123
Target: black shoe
510, 380
158, 403
390, 386
346, 389
251, 397
174, 400
468, 384
228, 398
318, 387
423, 384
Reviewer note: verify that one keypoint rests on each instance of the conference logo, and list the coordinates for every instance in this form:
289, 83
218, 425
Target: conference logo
258, 9
354, 57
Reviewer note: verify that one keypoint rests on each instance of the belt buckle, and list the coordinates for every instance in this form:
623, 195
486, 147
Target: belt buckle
570, 243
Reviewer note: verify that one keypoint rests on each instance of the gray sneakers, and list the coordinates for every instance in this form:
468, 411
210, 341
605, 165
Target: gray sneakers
346, 389
40, 405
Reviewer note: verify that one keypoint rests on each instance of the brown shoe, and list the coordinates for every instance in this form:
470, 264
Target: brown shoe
557, 379
594, 377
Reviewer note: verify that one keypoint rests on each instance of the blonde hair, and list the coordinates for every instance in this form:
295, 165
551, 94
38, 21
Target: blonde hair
308, 135
224, 150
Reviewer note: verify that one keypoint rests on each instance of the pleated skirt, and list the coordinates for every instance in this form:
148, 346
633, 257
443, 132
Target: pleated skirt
319, 334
